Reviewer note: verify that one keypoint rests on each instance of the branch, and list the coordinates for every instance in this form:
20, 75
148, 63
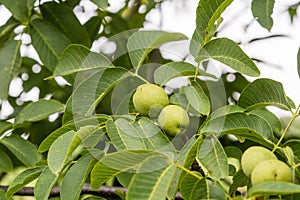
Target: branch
103, 191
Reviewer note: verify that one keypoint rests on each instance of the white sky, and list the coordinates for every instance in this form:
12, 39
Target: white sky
279, 51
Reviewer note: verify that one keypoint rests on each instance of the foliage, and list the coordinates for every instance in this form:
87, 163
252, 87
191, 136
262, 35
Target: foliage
86, 131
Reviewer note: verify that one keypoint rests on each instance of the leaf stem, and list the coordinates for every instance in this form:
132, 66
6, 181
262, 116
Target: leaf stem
138, 76
197, 71
294, 116
189, 172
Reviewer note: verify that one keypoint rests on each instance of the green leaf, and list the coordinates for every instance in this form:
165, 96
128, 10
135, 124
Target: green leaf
79, 58
154, 184
269, 117
63, 17
61, 150
4, 126
207, 14
263, 92
24, 150
18, 9
47, 142
48, 41
126, 161
93, 198
7, 30
298, 62
6, 164
11, 52
185, 157
76, 176
193, 188
2, 194
154, 139
225, 110
90, 135
274, 188
30, 4
44, 184
37, 111
228, 52
124, 135
242, 125
103, 4
171, 70
90, 90
141, 43
239, 180
92, 26
262, 11
23, 179
213, 158
197, 98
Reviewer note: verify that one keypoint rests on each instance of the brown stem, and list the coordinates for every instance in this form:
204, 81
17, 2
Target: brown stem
103, 191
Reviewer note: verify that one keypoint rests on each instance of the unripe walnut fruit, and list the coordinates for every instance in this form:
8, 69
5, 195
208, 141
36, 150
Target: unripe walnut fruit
254, 155
173, 119
149, 99
271, 170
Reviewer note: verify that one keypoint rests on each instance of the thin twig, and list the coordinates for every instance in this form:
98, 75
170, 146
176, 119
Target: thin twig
103, 191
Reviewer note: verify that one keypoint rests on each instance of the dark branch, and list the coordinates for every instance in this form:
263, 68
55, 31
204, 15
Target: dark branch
103, 191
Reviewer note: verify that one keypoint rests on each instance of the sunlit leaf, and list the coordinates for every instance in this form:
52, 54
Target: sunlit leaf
172, 70
225, 110
79, 58
228, 52
270, 117
23, 179
44, 184
61, 149
63, 17
141, 43
207, 13
263, 92
262, 10
274, 188
126, 161
47, 142
197, 98
48, 41
24, 150
251, 127
39, 110
11, 52
76, 176
154, 184
90, 90
124, 135
154, 139
213, 158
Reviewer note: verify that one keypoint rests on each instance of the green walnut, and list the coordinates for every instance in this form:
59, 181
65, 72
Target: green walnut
271, 170
149, 99
173, 120
254, 155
